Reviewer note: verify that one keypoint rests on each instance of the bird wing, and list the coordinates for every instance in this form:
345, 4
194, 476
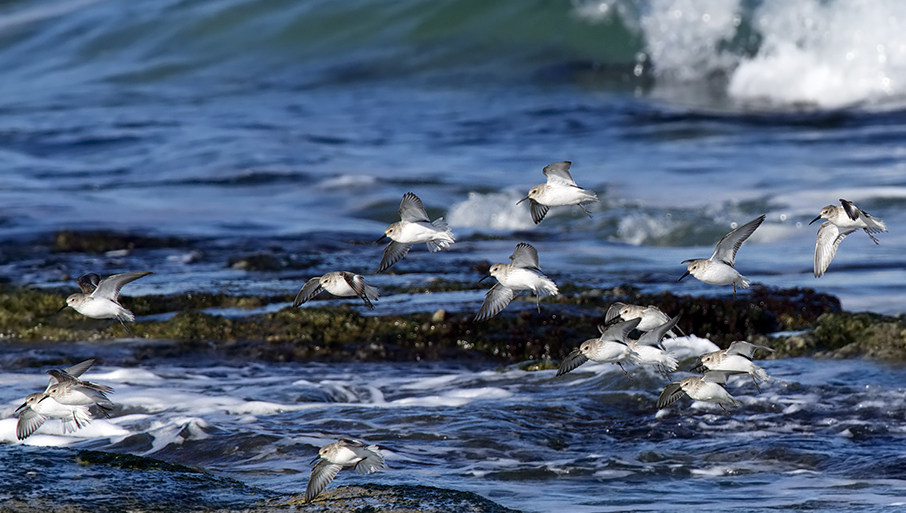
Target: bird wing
654, 337
743, 348
852, 211
110, 286
412, 209
618, 331
829, 239
558, 173
574, 359
88, 282
29, 422
719, 376
393, 253
321, 476
363, 290
671, 393
311, 289
80, 368
538, 211
372, 462
494, 301
728, 246
613, 313
525, 256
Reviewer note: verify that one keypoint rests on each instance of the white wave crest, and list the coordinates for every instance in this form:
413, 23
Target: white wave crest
829, 54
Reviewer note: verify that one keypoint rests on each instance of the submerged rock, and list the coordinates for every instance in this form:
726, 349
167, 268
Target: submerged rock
101, 482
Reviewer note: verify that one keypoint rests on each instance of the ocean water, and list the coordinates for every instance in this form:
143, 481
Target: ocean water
293, 128
821, 435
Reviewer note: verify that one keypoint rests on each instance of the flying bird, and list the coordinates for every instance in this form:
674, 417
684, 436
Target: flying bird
345, 453
560, 190
708, 388
524, 273
413, 227
341, 284
841, 221
102, 303
720, 268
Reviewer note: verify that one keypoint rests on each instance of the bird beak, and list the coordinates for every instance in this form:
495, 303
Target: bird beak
483, 278
62, 308
318, 457
24, 405
699, 367
815, 219
382, 238
523, 199
687, 273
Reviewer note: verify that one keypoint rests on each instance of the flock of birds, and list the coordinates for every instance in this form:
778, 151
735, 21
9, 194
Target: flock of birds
69, 398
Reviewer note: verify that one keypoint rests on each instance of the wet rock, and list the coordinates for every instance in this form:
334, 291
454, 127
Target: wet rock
106, 242
340, 333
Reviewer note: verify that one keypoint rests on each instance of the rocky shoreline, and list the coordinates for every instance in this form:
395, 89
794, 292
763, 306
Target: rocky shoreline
795, 322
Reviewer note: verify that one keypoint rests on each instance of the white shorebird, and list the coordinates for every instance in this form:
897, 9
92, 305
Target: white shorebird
708, 388
524, 273
39, 407
650, 351
413, 227
560, 190
841, 221
736, 359
71, 391
719, 269
610, 347
102, 302
338, 455
652, 316
341, 284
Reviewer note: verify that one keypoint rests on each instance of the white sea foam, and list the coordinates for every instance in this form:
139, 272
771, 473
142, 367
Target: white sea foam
829, 54
690, 346
494, 211
458, 397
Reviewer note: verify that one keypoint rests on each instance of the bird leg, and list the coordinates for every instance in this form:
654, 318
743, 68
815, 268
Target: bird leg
624, 370
756, 384
125, 327
734, 290
538, 302
872, 237
725, 411
589, 213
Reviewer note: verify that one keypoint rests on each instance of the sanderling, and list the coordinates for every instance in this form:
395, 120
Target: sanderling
719, 270
71, 391
841, 221
334, 457
650, 351
102, 302
707, 388
652, 316
737, 358
609, 347
341, 284
39, 407
414, 227
524, 273
560, 190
